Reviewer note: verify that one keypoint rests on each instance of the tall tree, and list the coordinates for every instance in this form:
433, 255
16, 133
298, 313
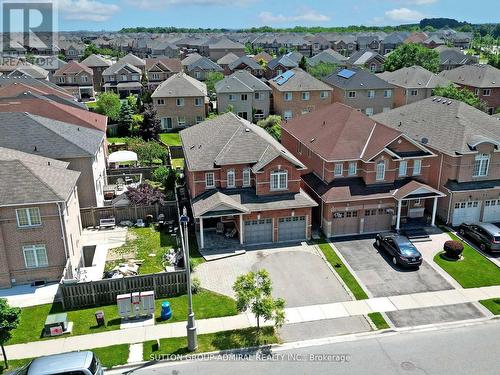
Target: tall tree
108, 104
9, 320
303, 63
253, 291
211, 79
125, 119
411, 54
272, 125
464, 95
150, 126
322, 70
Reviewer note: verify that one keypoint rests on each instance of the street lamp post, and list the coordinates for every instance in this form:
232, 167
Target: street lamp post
191, 324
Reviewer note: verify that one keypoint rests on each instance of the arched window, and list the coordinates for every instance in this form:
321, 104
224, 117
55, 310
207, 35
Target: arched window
380, 171
230, 178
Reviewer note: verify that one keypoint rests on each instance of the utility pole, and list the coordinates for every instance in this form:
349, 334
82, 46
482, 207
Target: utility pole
191, 324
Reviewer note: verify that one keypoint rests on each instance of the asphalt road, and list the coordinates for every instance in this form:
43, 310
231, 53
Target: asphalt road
464, 350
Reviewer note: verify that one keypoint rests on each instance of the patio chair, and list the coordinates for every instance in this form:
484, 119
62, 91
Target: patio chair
220, 228
231, 233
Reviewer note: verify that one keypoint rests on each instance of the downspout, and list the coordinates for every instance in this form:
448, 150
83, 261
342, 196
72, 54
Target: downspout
449, 208
63, 231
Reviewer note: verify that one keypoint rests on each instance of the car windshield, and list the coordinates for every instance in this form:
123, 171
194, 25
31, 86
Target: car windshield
407, 248
94, 365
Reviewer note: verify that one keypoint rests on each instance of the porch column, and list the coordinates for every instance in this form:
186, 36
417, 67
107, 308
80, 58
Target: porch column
398, 217
434, 209
202, 242
241, 229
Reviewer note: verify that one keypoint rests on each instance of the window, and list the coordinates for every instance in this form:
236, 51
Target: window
197, 75
353, 166
338, 169
299, 148
70, 79
305, 95
199, 119
181, 121
476, 92
258, 96
35, 256
413, 92
417, 167
232, 97
209, 180
403, 164
351, 94
373, 67
380, 171
323, 94
246, 177
369, 111
155, 76
85, 79
279, 72
230, 178
160, 101
244, 97
486, 92
387, 93
179, 102
416, 203
371, 94
198, 102
481, 164
279, 180
166, 123
287, 96
135, 77
28, 217
123, 77
61, 80
287, 115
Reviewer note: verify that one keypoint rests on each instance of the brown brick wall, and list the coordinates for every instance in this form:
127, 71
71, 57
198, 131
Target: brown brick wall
296, 105
189, 111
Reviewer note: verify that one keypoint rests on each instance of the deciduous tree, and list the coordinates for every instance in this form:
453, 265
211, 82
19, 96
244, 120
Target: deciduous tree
108, 104
150, 126
411, 54
9, 320
462, 94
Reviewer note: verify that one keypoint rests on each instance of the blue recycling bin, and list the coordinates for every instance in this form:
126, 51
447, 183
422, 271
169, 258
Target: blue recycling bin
166, 310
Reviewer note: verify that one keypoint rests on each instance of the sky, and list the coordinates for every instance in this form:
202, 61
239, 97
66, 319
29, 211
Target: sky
114, 14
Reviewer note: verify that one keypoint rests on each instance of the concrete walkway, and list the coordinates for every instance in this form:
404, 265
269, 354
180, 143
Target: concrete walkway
294, 315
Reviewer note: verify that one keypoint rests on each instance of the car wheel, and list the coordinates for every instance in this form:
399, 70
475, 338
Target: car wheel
394, 261
482, 247
378, 242
462, 232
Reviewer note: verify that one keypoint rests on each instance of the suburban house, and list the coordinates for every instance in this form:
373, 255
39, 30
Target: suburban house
198, 66
122, 78
451, 58
361, 89
72, 50
434, 41
248, 64
40, 227
248, 96
328, 56
223, 46
244, 183
345, 45
413, 84
225, 60
98, 64
296, 92
368, 42
180, 101
368, 59
466, 141
158, 69
26, 69
134, 61
482, 79
392, 41
365, 176
77, 79
163, 48
279, 65
262, 56
82, 147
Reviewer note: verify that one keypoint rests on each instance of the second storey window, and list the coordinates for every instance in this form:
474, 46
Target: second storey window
28, 217
123, 77
481, 165
338, 169
209, 180
279, 180
61, 80
403, 164
417, 167
244, 97
413, 92
160, 101
486, 92
323, 94
351, 94
352, 168
85, 79
387, 93
246, 177
287, 96
232, 97
179, 102
198, 102
380, 171
305, 95
230, 178
371, 94
35, 256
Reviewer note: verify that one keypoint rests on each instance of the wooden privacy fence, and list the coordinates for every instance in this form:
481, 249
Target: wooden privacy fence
90, 216
104, 292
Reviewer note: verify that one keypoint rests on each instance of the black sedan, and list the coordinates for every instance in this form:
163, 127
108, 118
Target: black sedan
402, 251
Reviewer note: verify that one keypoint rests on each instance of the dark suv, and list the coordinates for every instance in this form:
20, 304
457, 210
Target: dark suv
403, 252
485, 235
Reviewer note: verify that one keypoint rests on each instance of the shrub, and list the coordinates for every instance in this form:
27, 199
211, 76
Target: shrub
195, 285
453, 249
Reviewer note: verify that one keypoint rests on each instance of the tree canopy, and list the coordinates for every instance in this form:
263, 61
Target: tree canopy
125, 119
9, 320
462, 94
211, 79
108, 104
272, 125
147, 152
410, 54
150, 126
144, 195
322, 69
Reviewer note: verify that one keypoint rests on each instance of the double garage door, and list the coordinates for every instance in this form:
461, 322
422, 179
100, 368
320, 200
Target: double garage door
466, 212
289, 229
348, 222
491, 212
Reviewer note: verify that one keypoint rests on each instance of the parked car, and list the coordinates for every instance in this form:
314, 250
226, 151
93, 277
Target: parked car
81, 363
485, 235
403, 252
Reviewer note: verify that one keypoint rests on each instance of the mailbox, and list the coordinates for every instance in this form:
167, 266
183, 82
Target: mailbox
124, 306
136, 304
147, 303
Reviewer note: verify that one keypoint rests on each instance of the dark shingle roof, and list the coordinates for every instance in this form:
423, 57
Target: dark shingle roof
300, 81
240, 81
477, 75
414, 77
362, 79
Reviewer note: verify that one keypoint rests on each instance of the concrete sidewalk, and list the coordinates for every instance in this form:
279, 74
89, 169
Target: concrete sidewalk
294, 315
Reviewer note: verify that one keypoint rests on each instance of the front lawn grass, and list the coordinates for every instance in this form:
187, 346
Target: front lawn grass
13, 365
111, 356
378, 320
492, 304
116, 140
473, 271
223, 340
171, 139
341, 269
206, 305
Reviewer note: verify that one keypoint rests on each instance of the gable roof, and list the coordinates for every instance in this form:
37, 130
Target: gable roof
252, 64
227, 59
447, 125
30, 70
361, 79
96, 61
362, 57
167, 63
191, 58
133, 60
226, 43
476, 75
117, 66
262, 56
299, 81
201, 62
228, 139
453, 56
414, 77
284, 61
179, 85
73, 67
240, 81
327, 56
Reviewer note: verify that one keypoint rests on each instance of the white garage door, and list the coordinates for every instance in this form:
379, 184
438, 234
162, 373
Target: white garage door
291, 228
491, 212
466, 212
258, 231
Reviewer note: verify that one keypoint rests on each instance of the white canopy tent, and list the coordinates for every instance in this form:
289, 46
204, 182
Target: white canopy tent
122, 157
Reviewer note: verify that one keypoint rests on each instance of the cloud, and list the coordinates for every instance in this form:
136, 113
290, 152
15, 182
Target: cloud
306, 15
86, 10
159, 4
419, 2
404, 15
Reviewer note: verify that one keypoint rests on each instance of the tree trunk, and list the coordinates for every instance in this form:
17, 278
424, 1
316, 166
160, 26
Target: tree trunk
4, 357
258, 322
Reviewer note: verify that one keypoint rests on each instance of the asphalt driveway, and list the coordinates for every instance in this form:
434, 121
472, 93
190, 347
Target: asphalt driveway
381, 277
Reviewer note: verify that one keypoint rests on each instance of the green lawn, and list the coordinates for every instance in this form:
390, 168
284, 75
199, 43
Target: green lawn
114, 355
492, 304
13, 364
378, 320
116, 139
206, 304
341, 269
91, 105
211, 342
171, 139
178, 163
473, 271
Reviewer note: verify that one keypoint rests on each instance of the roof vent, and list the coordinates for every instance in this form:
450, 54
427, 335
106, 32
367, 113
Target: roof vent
35, 149
312, 140
424, 141
434, 99
247, 130
438, 100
